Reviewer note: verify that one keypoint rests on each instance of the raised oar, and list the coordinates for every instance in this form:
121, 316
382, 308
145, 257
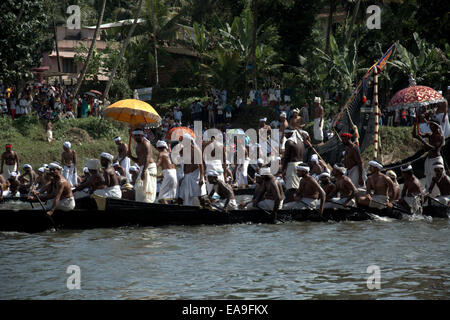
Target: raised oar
436, 200
315, 151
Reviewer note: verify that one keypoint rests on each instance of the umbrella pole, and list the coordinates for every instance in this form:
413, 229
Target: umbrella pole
129, 140
377, 113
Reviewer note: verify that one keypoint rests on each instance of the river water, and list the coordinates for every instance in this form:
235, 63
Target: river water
295, 260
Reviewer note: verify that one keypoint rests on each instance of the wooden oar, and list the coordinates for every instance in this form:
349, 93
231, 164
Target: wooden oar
393, 205
45, 212
315, 151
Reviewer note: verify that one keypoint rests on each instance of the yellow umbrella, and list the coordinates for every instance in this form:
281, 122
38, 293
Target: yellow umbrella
133, 111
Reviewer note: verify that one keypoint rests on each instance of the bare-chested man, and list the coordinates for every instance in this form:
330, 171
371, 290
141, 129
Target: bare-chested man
318, 120
381, 185
308, 193
442, 181
192, 186
94, 181
256, 194
145, 185
411, 196
168, 190
10, 161
69, 162
296, 121
344, 188
122, 158
271, 192
293, 155
442, 117
27, 179
3, 186
224, 190
112, 189
43, 178
284, 124
353, 161
59, 192
395, 195
264, 125
433, 146
327, 186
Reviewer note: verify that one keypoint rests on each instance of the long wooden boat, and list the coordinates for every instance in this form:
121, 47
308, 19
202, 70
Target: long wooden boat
115, 213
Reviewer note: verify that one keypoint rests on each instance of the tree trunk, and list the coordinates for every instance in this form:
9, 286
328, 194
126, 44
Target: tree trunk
156, 64
91, 49
330, 24
255, 85
122, 51
350, 29
57, 49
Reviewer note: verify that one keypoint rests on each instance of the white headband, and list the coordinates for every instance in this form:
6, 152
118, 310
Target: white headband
67, 144
116, 164
438, 166
315, 158
289, 131
375, 164
317, 99
117, 139
341, 169
261, 161
161, 144
54, 165
26, 166
107, 156
406, 169
85, 169
303, 168
324, 174
283, 114
138, 132
263, 119
133, 168
265, 172
41, 169
13, 174
212, 173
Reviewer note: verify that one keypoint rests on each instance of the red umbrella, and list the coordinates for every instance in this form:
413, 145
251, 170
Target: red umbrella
174, 134
414, 96
96, 92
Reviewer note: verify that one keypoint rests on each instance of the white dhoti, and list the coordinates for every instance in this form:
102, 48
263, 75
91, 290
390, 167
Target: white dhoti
189, 189
305, 203
125, 164
339, 203
266, 204
232, 204
445, 125
292, 179
318, 129
429, 173
414, 203
66, 204
379, 201
168, 190
8, 169
146, 189
113, 192
353, 174
49, 135
70, 174
241, 174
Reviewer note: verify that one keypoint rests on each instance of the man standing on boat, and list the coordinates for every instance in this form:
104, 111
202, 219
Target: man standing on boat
344, 188
433, 146
69, 161
382, 186
192, 186
284, 124
145, 185
224, 190
442, 117
271, 192
112, 189
318, 120
292, 157
122, 158
10, 162
353, 161
308, 193
59, 194
442, 181
168, 190
411, 197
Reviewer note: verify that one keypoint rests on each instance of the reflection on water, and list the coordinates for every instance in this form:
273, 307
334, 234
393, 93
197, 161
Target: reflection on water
285, 261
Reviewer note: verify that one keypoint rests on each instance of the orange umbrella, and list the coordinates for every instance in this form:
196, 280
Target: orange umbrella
174, 134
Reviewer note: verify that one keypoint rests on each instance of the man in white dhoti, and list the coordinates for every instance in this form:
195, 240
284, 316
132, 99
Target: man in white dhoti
270, 196
69, 161
122, 158
442, 118
381, 185
112, 189
353, 161
10, 162
411, 196
318, 120
293, 155
214, 165
241, 173
145, 185
59, 192
223, 190
168, 190
192, 186
442, 181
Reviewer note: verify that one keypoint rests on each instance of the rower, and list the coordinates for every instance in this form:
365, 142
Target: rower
27, 179
344, 188
10, 162
271, 192
14, 184
69, 161
168, 190
353, 161
192, 186
308, 193
296, 121
112, 189
433, 146
118, 168
327, 186
3, 185
59, 193
95, 181
134, 172
317, 166
395, 195
224, 190
256, 194
442, 181
43, 178
256, 169
411, 197
382, 186
122, 158
293, 156
145, 185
